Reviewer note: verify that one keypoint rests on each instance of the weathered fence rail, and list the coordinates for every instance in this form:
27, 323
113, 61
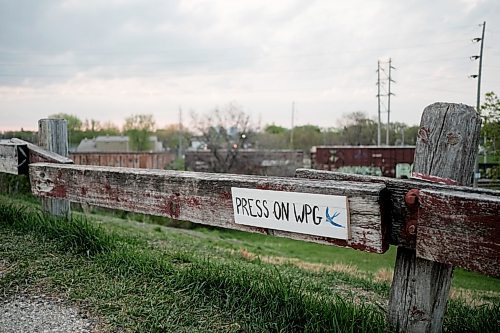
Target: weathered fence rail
16, 155
205, 197
435, 223
126, 160
449, 224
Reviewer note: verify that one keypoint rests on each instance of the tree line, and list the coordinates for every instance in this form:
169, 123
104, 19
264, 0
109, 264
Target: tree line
226, 130
222, 128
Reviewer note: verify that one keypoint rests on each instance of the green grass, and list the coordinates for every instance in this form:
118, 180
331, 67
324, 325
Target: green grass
149, 278
77, 235
366, 262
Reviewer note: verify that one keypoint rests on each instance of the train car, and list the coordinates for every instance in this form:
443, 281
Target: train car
388, 161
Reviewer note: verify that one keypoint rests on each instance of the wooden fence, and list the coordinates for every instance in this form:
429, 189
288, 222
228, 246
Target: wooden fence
125, 160
263, 162
435, 222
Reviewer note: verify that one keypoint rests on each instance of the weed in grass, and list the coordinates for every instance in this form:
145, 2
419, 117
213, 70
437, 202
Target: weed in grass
461, 317
75, 234
277, 302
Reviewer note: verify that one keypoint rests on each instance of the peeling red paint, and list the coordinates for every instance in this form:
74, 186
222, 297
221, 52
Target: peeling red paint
172, 206
434, 179
192, 201
209, 202
344, 243
59, 191
225, 195
460, 230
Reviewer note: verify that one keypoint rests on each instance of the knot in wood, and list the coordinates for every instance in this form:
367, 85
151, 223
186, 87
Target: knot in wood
412, 229
453, 138
423, 134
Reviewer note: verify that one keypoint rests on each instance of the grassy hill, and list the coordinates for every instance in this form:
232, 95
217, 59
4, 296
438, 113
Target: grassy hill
142, 277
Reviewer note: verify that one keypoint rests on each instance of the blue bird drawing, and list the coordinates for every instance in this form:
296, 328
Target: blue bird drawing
329, 218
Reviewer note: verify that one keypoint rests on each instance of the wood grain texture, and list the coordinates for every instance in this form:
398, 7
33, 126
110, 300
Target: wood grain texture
52, 137
38, 154
204, 197
9, 158
461, 229
446, 147
447, 142
397, 210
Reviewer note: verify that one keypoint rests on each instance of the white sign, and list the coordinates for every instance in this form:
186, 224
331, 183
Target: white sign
305, 213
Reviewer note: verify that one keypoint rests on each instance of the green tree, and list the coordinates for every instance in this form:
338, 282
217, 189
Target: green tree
401, 133
108, 128
273, 137
74, 123
358, 129
490, 130
138, 128
172, 136
74, 127
331, 136
29, 136
306, 136
275, 129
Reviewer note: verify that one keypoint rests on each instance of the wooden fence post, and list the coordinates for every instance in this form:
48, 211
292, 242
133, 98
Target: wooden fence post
447, 144
53, 136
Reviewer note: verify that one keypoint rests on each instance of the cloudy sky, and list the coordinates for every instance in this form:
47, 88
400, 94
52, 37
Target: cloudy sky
106, 60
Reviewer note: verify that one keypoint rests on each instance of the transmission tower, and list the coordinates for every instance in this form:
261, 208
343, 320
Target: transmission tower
378, 99
387, 78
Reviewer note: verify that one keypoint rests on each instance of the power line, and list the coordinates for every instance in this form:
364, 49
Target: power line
315, 54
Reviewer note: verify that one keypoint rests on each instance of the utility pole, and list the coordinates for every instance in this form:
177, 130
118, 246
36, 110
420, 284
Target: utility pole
378, 98
180, 136
389, 102
478, 100
478, 103
291, 132
389, 93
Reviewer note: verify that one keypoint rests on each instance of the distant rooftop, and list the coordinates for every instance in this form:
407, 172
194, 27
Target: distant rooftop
112, 138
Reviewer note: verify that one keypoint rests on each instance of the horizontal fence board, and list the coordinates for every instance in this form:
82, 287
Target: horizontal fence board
460, 229
205, 198
397, 210
37, 154
456, 225
9, 159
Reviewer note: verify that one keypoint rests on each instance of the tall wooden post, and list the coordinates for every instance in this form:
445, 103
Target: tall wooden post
53, 136
447, 144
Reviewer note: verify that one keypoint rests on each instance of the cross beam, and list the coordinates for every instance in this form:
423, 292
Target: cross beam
17, 154
455, 225
206, 197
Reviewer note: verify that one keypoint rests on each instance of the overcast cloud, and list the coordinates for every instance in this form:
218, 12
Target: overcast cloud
106, 60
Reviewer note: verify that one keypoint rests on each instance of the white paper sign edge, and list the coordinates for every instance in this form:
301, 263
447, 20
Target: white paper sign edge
267, 209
